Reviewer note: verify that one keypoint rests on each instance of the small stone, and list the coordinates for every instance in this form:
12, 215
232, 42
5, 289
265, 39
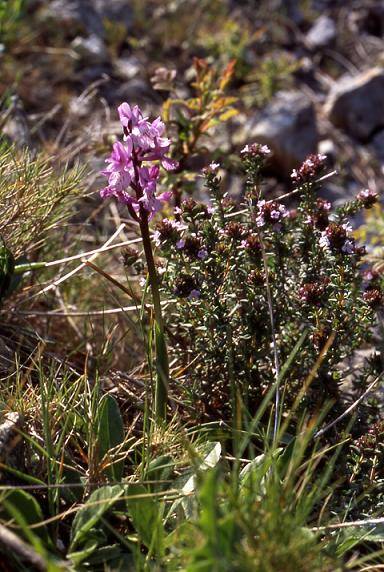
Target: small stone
235, 186
288, 126
127, 68
355, 104
321, 5
322, 34
163, 79
91, 49
80, 107
7, 355
336, 194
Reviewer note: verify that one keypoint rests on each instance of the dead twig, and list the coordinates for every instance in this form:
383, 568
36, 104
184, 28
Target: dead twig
349, 409
286, 196
62, 279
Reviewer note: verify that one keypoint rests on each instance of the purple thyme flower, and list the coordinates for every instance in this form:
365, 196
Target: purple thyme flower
348, 246
272, 213
252, 246
212, 170
194, 294
309, 169
134, 164
256, 150
370, 278
202, 254
312, 293
368, 198
335, 238
180, 244
167, 231
373, 297
192, 246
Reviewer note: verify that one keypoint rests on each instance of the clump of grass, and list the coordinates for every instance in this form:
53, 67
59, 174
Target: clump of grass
34, 197
92, 490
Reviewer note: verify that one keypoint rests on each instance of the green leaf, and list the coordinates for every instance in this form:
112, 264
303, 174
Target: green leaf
23, 476
81, 555
158, 470
210, 455
253, 476
7, 264
218, 529
145, 515
72, 494
96, 506
351, 537
16, 509
110, 435
113, 555
28, 506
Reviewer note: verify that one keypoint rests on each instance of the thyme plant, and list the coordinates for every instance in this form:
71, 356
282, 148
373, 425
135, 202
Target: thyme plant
251, 280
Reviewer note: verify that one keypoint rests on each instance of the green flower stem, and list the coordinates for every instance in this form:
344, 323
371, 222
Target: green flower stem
162, 364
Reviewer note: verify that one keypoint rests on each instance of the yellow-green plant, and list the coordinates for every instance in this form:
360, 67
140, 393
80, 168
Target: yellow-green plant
372, 233
272, 74
195, 118
10, 13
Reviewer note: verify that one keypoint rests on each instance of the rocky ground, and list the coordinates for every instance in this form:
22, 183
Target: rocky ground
310, 76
